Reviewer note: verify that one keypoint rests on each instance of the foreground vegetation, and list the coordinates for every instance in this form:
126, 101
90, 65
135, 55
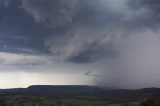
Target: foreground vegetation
21, 100
78, 96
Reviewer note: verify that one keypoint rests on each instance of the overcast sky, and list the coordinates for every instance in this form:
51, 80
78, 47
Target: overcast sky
113, 43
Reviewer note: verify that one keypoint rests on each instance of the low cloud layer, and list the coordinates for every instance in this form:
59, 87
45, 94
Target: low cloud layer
115, 41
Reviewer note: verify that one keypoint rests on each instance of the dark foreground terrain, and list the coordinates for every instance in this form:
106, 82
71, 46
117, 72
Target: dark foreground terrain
78, 96
19, 100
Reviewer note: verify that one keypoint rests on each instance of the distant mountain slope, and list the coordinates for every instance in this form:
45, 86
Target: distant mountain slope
44, 89
107, 94
52, 89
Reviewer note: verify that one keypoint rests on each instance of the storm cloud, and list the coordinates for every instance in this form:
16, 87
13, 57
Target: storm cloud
117, 40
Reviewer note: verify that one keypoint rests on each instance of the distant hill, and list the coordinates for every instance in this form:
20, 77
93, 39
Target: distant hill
77, 90
47, 89
53, 89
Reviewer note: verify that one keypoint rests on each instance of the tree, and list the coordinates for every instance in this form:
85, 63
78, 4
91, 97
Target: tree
148, 102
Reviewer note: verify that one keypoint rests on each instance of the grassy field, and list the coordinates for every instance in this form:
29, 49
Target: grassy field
94, 103
49, 101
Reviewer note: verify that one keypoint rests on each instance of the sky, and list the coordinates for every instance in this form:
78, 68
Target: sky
111, 43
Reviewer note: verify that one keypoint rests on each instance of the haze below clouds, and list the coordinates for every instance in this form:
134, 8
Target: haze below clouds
113, 43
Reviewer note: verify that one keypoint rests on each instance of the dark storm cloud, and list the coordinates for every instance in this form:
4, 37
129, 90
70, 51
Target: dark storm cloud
99, 32
93, 53
51, 13
102, 23
19, 31
77, 31
4, 2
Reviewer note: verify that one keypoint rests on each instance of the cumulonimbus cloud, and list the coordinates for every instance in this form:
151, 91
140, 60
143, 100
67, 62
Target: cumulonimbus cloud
97, 35
105, 33
93, 28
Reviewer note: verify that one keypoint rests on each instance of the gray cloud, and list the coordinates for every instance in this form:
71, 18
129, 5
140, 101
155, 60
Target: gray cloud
82, 30
57, 13
95, 76
83, 46
5, 2
118, 38
96, 34
98, 27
